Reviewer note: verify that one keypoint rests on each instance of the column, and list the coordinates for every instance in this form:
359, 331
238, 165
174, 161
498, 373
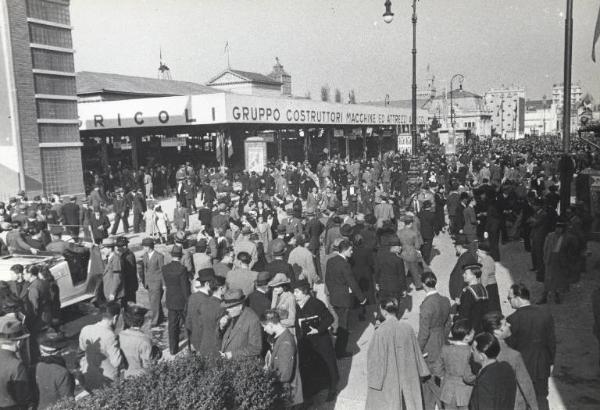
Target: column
104, 141
135, 150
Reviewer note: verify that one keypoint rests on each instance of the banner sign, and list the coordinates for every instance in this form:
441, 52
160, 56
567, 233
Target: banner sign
221, 108
405, 143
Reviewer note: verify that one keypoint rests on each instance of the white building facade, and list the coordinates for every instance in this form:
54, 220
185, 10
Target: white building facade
507, 105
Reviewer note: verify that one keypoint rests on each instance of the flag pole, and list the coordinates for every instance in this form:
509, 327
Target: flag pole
566, 164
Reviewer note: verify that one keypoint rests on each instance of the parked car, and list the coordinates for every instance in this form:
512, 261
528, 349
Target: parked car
78, 276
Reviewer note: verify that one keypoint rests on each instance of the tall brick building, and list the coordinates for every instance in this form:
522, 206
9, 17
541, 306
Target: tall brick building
40, 149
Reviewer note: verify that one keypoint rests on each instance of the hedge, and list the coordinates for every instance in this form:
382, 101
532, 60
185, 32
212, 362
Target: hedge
189, 382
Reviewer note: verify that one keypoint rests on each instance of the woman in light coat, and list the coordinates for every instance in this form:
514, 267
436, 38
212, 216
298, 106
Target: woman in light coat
283, 300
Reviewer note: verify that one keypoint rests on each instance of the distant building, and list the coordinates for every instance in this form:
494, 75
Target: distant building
540, 117
507, 106
557, 99
471, 117
278, 74
93, 87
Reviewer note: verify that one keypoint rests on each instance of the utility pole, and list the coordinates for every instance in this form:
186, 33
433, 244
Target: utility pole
414, 79
566, 167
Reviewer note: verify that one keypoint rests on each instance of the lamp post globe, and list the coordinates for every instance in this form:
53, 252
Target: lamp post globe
388, 16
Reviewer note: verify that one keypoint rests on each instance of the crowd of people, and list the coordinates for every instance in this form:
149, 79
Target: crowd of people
272, 264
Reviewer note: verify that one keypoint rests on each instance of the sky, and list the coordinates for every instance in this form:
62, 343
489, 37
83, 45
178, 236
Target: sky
342, 43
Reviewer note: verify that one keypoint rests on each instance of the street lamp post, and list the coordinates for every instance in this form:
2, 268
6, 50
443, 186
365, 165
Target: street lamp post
544, 106
452, 116
388, 16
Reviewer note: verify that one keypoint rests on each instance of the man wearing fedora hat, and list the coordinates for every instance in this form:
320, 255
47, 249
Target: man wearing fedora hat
241, 277
53, 381
260, 300
177, 285
203, 314
112, 280
240, 327
279, 264
128, 270
15, 388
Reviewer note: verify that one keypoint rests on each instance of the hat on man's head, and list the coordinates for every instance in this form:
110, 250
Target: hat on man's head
281, 228
11, 329
263, 278
233, 297
6, 226
122, 241
278, 247
278, 280
407, 219
147, 242
108, 242
51, 342
426, 204
472, 266
246, 230
206, 274
346, 230
56, 230
177, 251
461, 239
300, 283
134, 313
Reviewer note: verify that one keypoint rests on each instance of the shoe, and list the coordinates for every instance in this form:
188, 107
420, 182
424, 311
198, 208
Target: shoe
344, 355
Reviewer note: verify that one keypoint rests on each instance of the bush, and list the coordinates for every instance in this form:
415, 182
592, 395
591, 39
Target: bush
190, 382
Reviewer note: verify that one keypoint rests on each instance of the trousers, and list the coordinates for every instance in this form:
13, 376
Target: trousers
175, 320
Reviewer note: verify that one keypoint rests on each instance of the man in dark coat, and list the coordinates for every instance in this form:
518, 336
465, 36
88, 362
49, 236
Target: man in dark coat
241, 330
121, 209
466, 256
342, 287
533, 336
202, 316
69, 216
427, 218
53, 380
177, 286
434, 320
389, 273
139, 208
259, 300
313, 230
495, 387
128, 270
278, 264
596, 313
15, 388
318, 366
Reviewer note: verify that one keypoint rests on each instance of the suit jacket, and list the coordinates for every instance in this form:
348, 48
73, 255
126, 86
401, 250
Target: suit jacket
433, 325
258, 302
280, 266
495, 388
389, 271
15, 389
69, 213
244, 338
525, 392
201, 322
103, 356
427, 224
178, 286
313, 229
151, 272
240, 278
53, 381
341, 283
284, 361
533, 336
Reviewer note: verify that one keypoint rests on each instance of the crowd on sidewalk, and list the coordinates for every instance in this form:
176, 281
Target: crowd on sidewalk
271, 264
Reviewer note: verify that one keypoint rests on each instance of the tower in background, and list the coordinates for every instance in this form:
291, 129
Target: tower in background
164, 72
279, 74
40, 148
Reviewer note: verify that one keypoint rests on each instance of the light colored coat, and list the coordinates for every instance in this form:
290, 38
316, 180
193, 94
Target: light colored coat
103, 356
394, 367
137, 349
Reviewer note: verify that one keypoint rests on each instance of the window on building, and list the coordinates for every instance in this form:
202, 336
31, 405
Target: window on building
54, 84
56, 109
51, 36
52, 60
49, 10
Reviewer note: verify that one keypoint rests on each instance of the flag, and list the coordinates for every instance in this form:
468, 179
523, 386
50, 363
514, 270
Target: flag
596, 35
229, 147
226, 47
